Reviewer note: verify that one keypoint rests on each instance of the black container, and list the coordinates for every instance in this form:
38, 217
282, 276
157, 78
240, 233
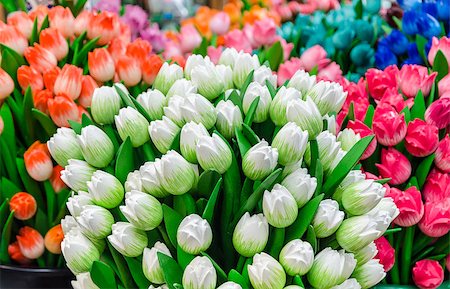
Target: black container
18, 277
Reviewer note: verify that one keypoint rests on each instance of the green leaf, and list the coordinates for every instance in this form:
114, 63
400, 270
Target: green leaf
79, 5
271, 89
9, 133
369, 116
86, 121
207, 182
9, 189
359, 9
82, 56
304, 219
184, 204
236, 98
250, 135
236, 277
311, 238
124, 160
124, 273
246, 83
276, 242
440, 65
319, 177
432, 95
45, 121
418, 109
19, 58
27, 107
243, 144
50, 196
34, 32
298, 281
208, 213
275, 55
9, 5
135, 268
421, 42
407, 114
6, 236
314, 148
314, 70
9, 63
45, 24
172, 271
183, 257
383, 181
251, 112
202, 49
41, 222
75, 126
346, 165
422, 170
4, 212
172, 220
103, 276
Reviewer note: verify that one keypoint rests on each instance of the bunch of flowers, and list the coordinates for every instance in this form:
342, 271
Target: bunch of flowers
411, 40
348, 35
408, 111
217, 177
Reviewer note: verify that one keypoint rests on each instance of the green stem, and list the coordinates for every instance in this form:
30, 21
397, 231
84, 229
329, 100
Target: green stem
395, 275
240, 264
406, 254
148, 152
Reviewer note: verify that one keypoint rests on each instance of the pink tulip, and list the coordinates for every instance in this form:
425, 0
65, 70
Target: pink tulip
265, 32
442, 155
444, 85
287, 48
393, 98
421, 138
22, 22
101, 64
11, 37
220, 23
413, 78
327, 5
356, 94
436, 218
394, 165
363, 130
428, 274
248, 31
386, 253
62, 19
409, 202
288, 69
236, 39
437, 186
284, 11
214, 53
82, 22
332, 72
6, 84
378, 81
40, 58
442, 44
53, 40
438, 113
388, 125
314, 56
190, 38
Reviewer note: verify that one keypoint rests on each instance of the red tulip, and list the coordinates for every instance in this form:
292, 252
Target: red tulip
363, 130
436, 218
437, 186
38, 162
139, 49
55, 179
438, 113
62, 109
53, 239
53, 40
69, 81
62, 19
88, 85
427, 274
101, 65
40, 99
394, 165
12, 38
378, 81
413, 78
6, 84
50, 77
409, 202
105, 25
31, 243
28, 76
16, 255
24, 206
22, 22
394, 99
421, 138
386, 253
129, 70
150, 68
40, 58
388, 125
442, 155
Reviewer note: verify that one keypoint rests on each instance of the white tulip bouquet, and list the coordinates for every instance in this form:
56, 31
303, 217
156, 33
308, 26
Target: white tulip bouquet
216, 178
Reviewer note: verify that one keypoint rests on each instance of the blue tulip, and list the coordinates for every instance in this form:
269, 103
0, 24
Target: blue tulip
362, 55
397, 42
413, 55
364, 30
408, 4
384, 57
409, 22
343, 38
428, 25
430, 8
443, 9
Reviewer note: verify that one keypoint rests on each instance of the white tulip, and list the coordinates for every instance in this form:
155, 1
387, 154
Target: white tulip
192, 62
229, 117
297, 257
244, 63
357, 232
329, 96
181, 87
279, 104
95, 222
291, 143
173, 110
351, 178
306, 115
259, 161
83, 281
79, 252
361, 197
200, 274
348, 284
386, 205
68, 223
76, 202
253, 91
194, 234
302, 81
105, 189
130, 123
301, 185
153, 101
167, 75
150, 179
369, 274
133, 181
142, 210
163, 133
328, 218
279, 207
330, 152
208, 80
251, 234
213, 153
331, 123
96, 146
226, 73
150, 263
190, 134
264, 73
198, 109
105, 104
348, 138
266, 273
228, 57
76, 175
175, 173
63, 146
365, 254
230, 285
127, 239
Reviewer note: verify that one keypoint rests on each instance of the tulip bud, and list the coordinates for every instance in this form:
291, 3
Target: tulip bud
76, 175
301, 185
84, 281
297, 257
328, 96
38, 162
153, 102
69, 223
230, 285
369, 274
198, 109
244, 63
133, 182
228, 57
331, 123
95, 222
253, 91
352, 177
79, 252
105, 104
151, 182
194, 234
213, 153
53, 239
163, 133
328, 218
259, 161
410, 204
385, 254
24, 206
175, 173
150, 263
266, 273
30, 242
365, 254
63, 146
182, 87
142, 210
208, 80
302, 81
189, 137
331, 268
442, 155
436, 219
291, 143
263, 74
388, 125
130, 123
421, 139
173, 110
357, 232
127, 239
361, 197
394, 165
438, 112
101, 65
306, 115
226, 73
200, 274
167, 76
193, 61
279, 207
279, 104
427, 274
348, 138
384, 213
251, 234
229, 117
96, 146
330, 152
348, 284
105, 189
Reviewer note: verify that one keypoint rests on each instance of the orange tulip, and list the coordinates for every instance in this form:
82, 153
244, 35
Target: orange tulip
178, 59
38, 162
62, 19
12, 38
62, 109
40, 58
31, 243
50, 77
24, 206
16, 255
69, 81
234, 11
139, 49
104, 25
101, 65
150, 68
55, 179
40, 99
28, 76
53, 239
88, 85
129, 70
117, 48
125, 33
82, 21
22, 22
6, 84
39, 12
53, 40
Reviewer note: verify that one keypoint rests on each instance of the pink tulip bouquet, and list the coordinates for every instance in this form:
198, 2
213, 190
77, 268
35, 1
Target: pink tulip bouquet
408, 111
